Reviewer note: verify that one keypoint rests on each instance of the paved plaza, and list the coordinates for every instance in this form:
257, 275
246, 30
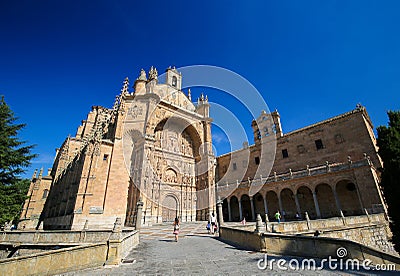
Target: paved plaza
196, 253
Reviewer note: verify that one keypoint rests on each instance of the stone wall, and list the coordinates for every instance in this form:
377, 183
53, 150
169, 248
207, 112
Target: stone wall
303, 246
65, 237
57, 261
97, 248
372, 230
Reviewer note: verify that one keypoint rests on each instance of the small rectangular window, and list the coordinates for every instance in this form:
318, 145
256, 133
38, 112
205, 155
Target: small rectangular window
285, 153
319, 145
234, 166
105, 157
257, 160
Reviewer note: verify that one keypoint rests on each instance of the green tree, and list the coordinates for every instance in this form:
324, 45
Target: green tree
389, 150
14, 157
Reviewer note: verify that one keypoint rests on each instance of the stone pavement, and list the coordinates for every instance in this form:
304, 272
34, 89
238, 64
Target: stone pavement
196, 253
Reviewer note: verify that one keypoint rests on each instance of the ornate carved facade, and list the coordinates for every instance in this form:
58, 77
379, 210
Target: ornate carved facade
153, 146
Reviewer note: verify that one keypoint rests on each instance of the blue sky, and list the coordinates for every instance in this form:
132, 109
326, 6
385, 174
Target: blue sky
309, 59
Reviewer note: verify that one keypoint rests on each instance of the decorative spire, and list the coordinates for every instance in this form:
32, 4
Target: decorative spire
142, 75
153, 74
116, 103
190, 95
34, 174
41, 172
206, 98
125, 87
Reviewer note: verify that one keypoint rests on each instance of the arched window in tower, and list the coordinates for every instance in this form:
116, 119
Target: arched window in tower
45, 193
174, 81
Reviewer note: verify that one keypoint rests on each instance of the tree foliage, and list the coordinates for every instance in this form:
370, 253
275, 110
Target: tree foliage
389, 150
14, 157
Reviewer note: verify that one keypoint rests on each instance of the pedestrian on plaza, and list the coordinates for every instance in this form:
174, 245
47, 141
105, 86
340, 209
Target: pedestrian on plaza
216, 228
278, 216
176, 229
213, 221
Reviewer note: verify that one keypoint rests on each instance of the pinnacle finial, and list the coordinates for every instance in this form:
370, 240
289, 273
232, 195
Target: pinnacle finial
153, 74
190, 95
116, 103
125, 87
34, 174
41, 172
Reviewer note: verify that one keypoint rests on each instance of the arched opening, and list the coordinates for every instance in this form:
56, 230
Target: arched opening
174, 81
246, 207
258, 201
235, 208
326, 200
306, 202
288, 204
272, 204
348, 198
175, 162
169, 208
225, 212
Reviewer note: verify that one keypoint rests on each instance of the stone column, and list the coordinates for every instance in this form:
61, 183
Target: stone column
316, 204
296, 200
220, 214
229, 209
240, 210
283, 213
265, 205
336, 199
253, 213
139, 208
359, 198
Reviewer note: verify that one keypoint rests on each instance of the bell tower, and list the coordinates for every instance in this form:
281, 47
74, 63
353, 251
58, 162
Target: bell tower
174, 78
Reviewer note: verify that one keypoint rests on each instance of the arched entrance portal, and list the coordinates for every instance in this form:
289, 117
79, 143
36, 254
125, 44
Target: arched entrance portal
326, 200
347, 193
169, 208
272, 203
246, 207
235, 208
306, 202
288, 204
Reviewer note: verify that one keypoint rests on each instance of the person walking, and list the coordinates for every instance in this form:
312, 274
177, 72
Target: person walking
176, 229
278, 216
213, 221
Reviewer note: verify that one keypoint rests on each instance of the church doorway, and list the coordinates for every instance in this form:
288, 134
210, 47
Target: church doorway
169, 208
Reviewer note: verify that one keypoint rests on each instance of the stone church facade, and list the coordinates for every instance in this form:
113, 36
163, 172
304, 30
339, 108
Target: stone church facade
154, 147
